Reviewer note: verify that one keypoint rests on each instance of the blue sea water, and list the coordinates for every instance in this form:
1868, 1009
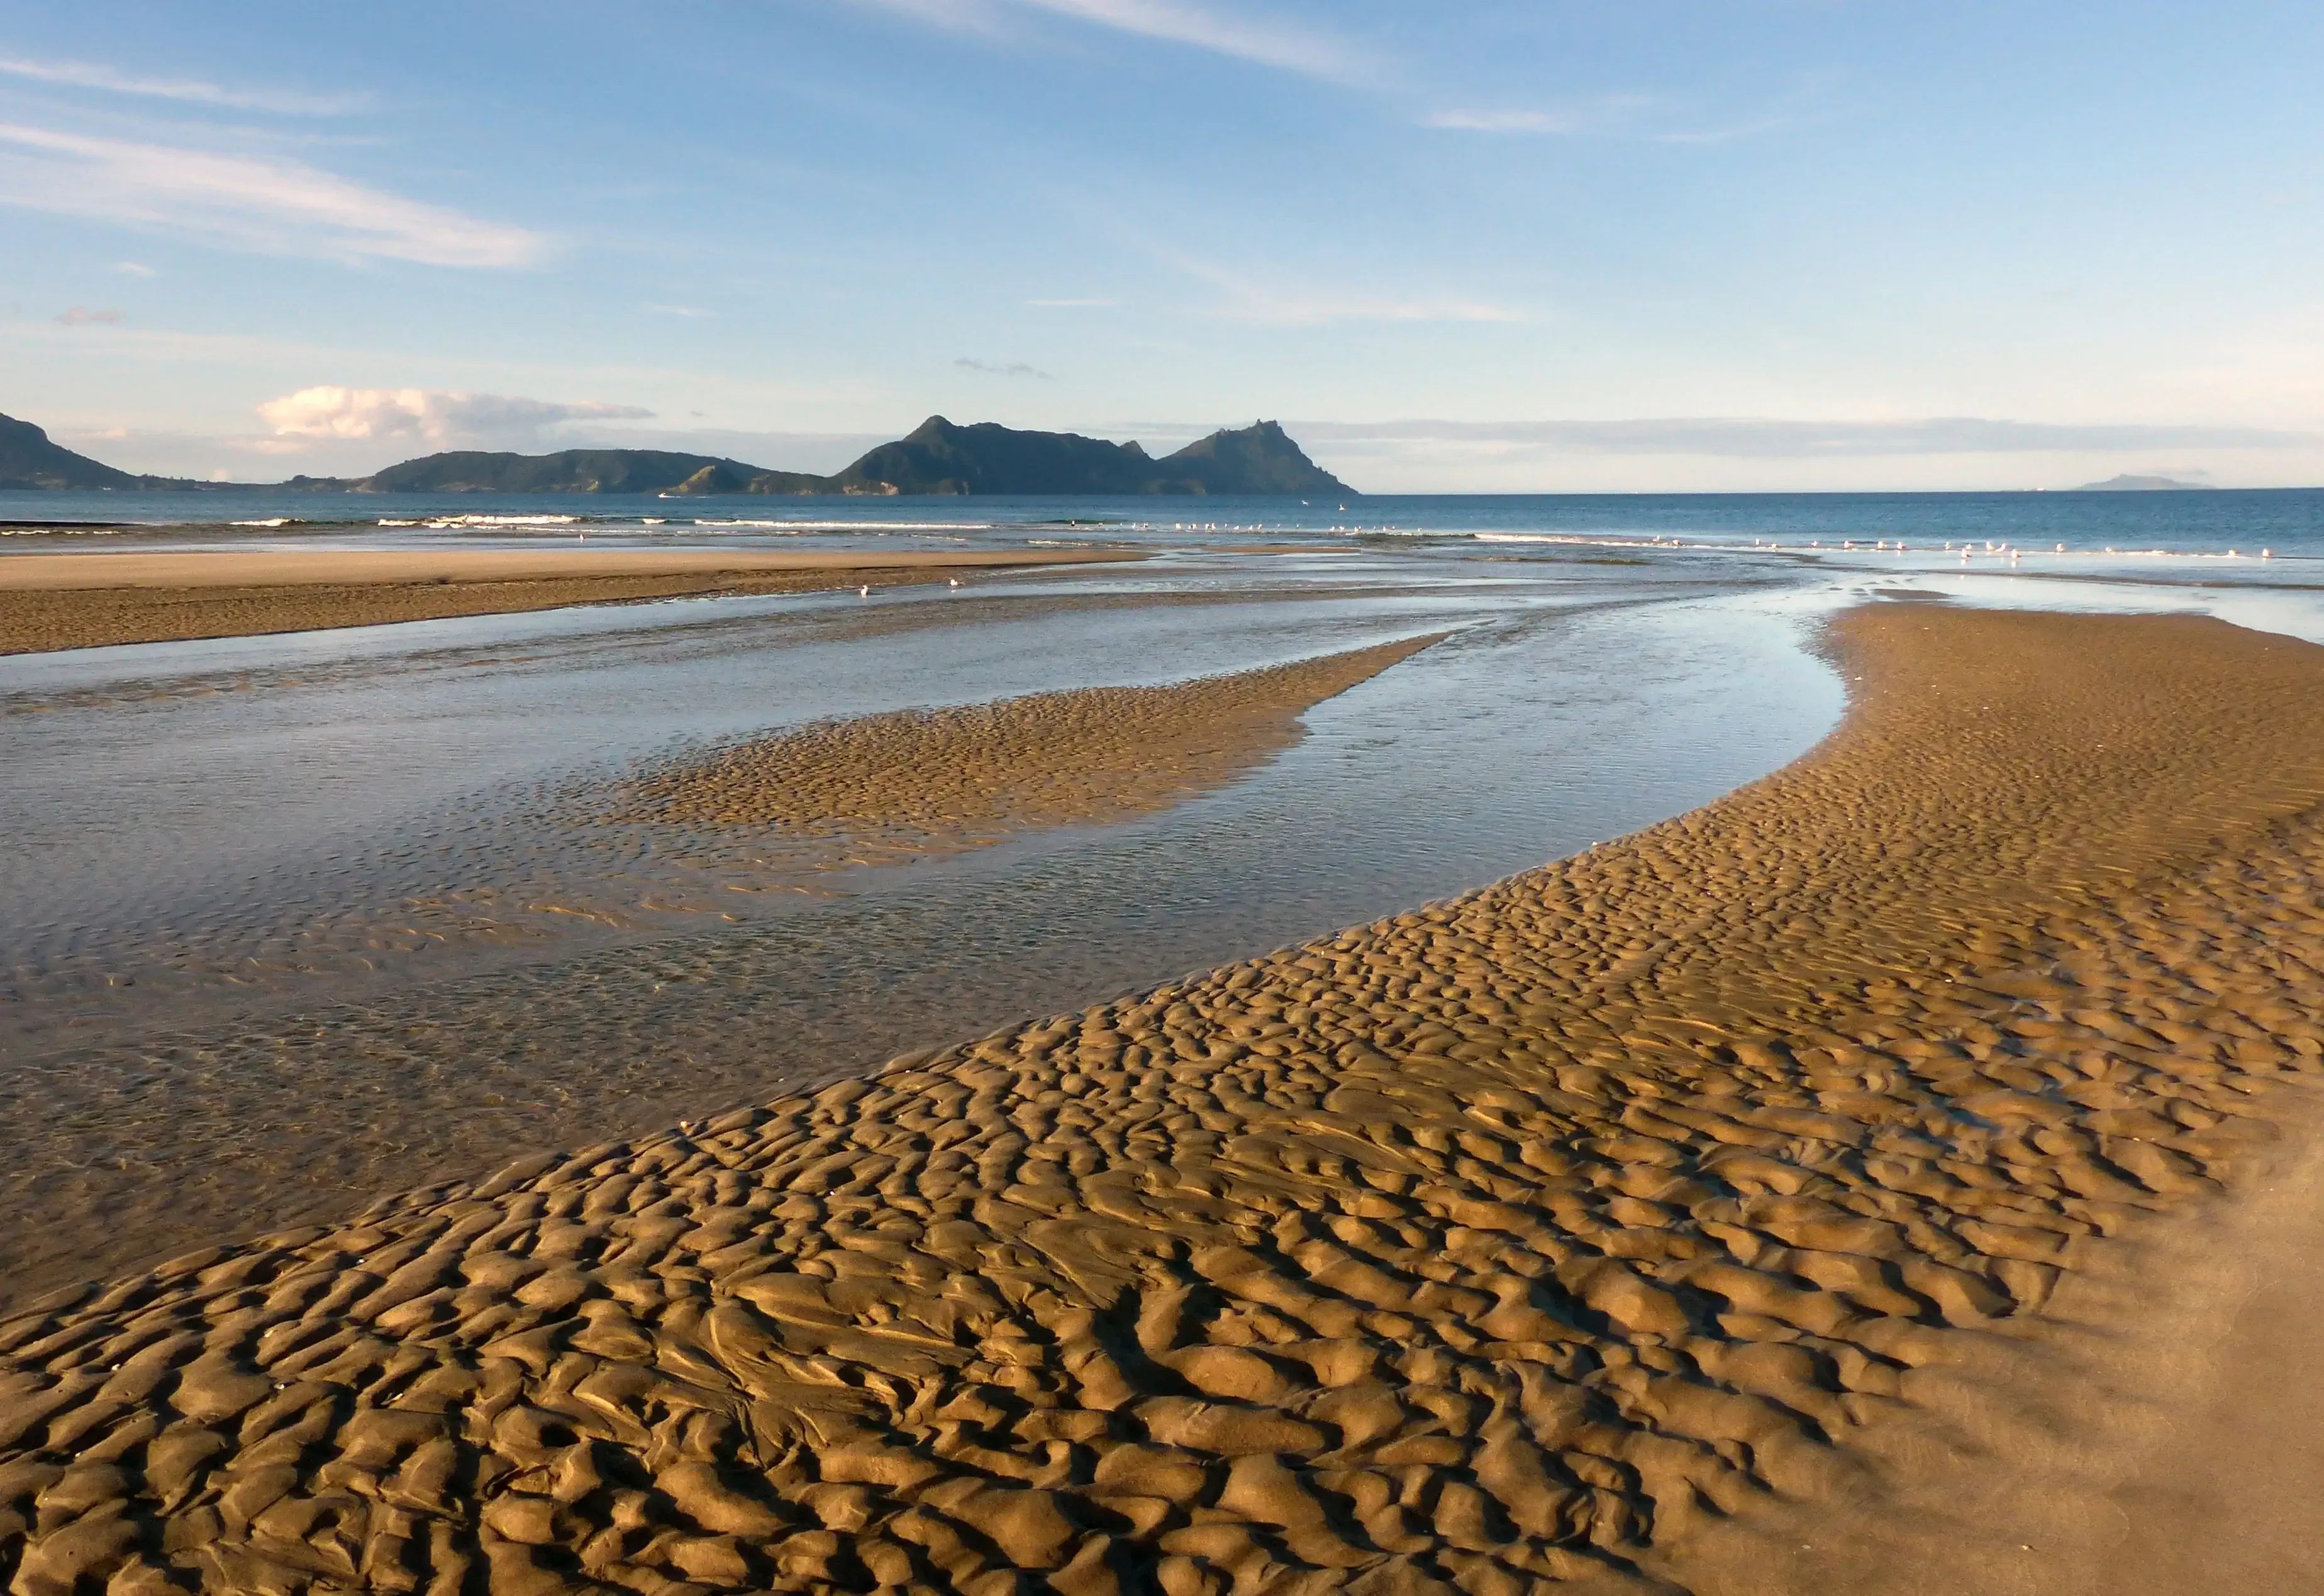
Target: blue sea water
2287, 522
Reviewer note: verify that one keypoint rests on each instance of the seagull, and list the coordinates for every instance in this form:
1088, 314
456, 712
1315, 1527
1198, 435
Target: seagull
864, 591
955, 582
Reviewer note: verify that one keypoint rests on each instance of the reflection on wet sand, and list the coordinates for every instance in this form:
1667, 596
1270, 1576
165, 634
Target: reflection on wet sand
262, 1074
1545, 1235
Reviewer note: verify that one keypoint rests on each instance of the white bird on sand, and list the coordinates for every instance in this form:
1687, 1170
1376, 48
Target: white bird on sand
955, 582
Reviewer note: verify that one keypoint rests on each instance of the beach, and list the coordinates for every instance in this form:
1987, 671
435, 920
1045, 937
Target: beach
124, 1154
917, 780
83, 601
1592, 1229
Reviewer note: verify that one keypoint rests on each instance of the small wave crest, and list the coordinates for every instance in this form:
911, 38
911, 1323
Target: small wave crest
858, 526
1578, 540
453, 522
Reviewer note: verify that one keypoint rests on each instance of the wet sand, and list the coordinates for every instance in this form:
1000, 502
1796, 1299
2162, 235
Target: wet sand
927, 779
80, 601
107, 1163
1549, 1234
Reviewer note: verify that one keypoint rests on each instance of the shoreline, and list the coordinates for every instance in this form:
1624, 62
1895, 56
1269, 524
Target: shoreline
1512, 1239
97, 599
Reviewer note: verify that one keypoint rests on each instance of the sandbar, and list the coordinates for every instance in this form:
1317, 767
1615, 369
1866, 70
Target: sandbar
926, 780
1520, 1241
91, 600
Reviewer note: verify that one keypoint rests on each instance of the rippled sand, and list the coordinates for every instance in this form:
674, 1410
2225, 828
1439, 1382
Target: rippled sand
162, 1121
82, 600
1513, 1240
922, 779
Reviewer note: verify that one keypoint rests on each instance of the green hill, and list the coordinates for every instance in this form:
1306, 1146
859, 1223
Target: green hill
29, 460
1261, 458
568, 471
937, 457
941, 457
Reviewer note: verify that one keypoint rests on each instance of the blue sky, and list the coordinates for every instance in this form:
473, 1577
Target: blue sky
1491, 246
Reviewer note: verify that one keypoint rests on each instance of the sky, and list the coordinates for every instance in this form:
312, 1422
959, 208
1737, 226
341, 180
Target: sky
1471, 245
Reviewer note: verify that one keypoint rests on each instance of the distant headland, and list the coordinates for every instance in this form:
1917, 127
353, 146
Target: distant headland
2127, 483
937, 457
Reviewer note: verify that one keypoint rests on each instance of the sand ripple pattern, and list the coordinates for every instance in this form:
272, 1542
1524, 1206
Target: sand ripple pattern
917, 780
1475, 1250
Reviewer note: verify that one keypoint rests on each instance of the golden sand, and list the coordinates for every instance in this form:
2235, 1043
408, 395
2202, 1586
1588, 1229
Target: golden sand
112, 1181
1507, 1242
921, 779
80, 601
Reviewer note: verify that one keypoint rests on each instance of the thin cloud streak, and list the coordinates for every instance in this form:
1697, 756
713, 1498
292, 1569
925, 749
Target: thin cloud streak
1270, 44
1602, 115
269, 207
1748, 437
1286, 46
1613, 116
190, 91
1725, 136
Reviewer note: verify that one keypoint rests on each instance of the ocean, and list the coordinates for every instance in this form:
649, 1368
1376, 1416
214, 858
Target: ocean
2287, 522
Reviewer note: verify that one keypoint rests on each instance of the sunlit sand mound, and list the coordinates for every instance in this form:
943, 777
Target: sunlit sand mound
927, 778
1490, 1246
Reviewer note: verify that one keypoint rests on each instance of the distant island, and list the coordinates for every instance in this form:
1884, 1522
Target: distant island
2126, 483
937, 457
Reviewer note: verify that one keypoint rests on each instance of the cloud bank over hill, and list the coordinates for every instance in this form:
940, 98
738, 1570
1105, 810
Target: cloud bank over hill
435, 414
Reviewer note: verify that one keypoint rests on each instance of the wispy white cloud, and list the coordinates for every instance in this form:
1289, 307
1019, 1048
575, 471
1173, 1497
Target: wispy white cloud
1309, 51
1502, 120
1612, 116
1015, 368
1604, 114
1270, 43
191, 91
134, 269
276, 207
691, 312
433, 413
1072, 304
1723, 136
1754, 438
83, 316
